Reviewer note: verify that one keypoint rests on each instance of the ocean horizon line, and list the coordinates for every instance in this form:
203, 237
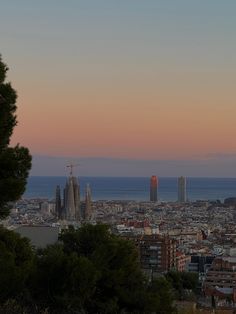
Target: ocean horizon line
136, 188
106, 176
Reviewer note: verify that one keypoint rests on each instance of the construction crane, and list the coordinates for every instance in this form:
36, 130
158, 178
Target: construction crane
71, 166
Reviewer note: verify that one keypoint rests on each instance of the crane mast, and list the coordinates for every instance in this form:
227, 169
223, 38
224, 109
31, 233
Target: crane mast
72, 166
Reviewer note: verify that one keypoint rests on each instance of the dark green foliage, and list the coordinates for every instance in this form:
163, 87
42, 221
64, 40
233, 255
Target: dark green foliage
63, 281
13, 306
3, 71
68, 278
86, 240
161, 299
7, 107
174, 278
16, 262
190, 280
181, 281
93, 271
15, 162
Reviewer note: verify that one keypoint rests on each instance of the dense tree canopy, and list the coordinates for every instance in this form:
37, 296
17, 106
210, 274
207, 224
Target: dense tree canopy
16, 262
88, 271
93, 271
181, 281
98, 273
15, 162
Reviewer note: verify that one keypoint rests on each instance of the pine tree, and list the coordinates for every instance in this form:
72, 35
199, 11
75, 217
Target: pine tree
15, 162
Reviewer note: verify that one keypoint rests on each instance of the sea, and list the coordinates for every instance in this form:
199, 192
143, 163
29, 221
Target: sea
135, 188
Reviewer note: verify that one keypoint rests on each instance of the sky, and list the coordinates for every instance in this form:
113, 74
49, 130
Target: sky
149, 80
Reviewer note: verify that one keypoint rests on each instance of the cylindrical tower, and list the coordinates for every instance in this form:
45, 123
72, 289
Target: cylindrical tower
153, 188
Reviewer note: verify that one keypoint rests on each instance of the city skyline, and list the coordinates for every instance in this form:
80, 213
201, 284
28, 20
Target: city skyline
141, 80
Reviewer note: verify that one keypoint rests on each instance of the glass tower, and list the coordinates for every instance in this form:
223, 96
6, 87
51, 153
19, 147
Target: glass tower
182, 195
153, 189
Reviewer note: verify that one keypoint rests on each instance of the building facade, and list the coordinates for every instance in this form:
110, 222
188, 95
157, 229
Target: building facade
220, 281
182, 193
58, 205
153, 188
72, 199
88, 203
157, 253
182, 261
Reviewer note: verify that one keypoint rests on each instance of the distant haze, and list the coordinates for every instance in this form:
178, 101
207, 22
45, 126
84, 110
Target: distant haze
210, 166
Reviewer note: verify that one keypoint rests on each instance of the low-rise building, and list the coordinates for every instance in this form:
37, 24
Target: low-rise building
220, 281
182, 261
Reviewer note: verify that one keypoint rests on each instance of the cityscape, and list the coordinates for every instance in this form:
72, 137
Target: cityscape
117, 157
182, 235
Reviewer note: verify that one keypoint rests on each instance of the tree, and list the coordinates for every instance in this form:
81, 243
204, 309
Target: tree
161, 299
15, 162
175, 280
181, 281
94, 271
63, 282
16, 264
190, 281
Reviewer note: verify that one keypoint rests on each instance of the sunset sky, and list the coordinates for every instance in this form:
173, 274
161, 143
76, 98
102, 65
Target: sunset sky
133, 79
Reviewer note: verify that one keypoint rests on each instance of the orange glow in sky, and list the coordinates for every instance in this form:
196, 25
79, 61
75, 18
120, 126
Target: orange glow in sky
148, 80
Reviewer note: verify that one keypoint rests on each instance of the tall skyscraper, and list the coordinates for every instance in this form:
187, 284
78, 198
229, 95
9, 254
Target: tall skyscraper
58, 205
182, 194
88, 203
153, 189
72, 199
